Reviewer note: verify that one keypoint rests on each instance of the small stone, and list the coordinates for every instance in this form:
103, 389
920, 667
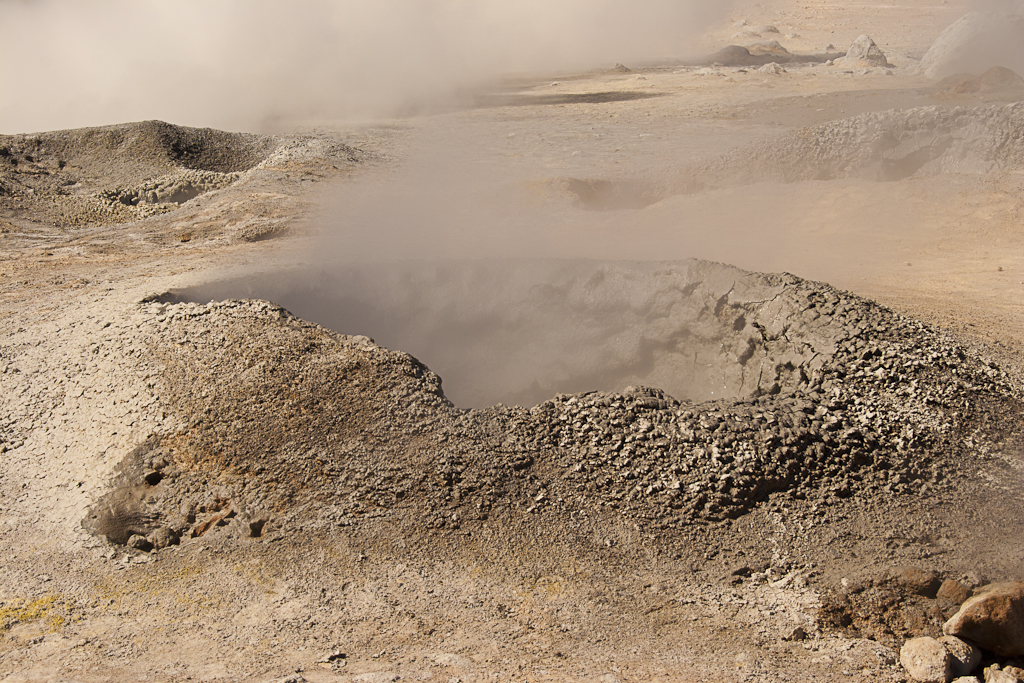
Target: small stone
926, 660
993, 619
294, 678
918, 581
994, 674
953, 591
256, 526
162, 537
965, 656
797, 633
337, 654
972, 580
376, 677
1014, 671
139, 543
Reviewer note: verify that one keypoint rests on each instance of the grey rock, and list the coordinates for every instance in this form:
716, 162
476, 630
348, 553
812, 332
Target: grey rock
864, 50
926, 660
162, 537
139, 543
994, 674
965, 656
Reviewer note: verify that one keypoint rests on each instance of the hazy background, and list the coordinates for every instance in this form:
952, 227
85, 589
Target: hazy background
259, 64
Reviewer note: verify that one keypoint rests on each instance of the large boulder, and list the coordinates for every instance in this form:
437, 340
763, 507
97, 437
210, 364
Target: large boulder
965, 657
993, 619
975, 43
926, 660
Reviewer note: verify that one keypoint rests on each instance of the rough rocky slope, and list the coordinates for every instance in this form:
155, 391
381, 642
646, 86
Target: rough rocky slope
259, 441
268, 499
118, 174
887, 146
62, 184
287, 421
696, 330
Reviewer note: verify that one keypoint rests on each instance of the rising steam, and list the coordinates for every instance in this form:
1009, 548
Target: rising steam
256, 64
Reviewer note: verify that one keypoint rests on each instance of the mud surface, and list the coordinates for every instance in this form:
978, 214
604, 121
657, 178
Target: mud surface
544, 433
849, 400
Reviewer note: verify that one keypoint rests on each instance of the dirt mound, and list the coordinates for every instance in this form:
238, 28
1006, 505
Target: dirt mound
884, 146
759, 54
864, 52
975, 43
998, 79
287, 423
117, 174
769, 47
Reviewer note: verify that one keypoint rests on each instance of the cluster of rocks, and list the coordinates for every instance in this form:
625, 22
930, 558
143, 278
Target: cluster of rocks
172, 190
863, 53
288, 421
990, 623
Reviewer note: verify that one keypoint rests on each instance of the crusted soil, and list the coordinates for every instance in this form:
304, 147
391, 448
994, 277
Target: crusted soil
286, 419
65, 184
234, 447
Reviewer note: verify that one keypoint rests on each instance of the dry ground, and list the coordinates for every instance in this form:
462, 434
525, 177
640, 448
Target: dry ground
520, 596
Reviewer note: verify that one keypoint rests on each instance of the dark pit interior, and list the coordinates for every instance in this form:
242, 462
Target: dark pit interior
518, 332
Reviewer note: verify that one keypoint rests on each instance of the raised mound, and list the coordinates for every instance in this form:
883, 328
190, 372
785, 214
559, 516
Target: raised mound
975, 43
884, 146
288, 424
117, 174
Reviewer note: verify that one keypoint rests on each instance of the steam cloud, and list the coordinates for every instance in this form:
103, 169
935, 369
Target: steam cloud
254, 64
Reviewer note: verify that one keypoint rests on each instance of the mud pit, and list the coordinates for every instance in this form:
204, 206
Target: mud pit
850, 399
519, 332
544, 469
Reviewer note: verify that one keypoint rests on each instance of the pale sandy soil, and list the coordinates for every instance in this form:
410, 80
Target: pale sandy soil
484, 182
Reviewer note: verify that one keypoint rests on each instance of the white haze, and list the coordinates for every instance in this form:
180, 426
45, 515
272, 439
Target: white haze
258, 64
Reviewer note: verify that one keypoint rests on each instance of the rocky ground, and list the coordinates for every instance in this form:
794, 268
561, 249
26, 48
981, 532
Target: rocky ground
624, 461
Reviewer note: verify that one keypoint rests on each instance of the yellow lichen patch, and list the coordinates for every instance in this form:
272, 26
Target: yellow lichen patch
169, 587
50, 609
162, 581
